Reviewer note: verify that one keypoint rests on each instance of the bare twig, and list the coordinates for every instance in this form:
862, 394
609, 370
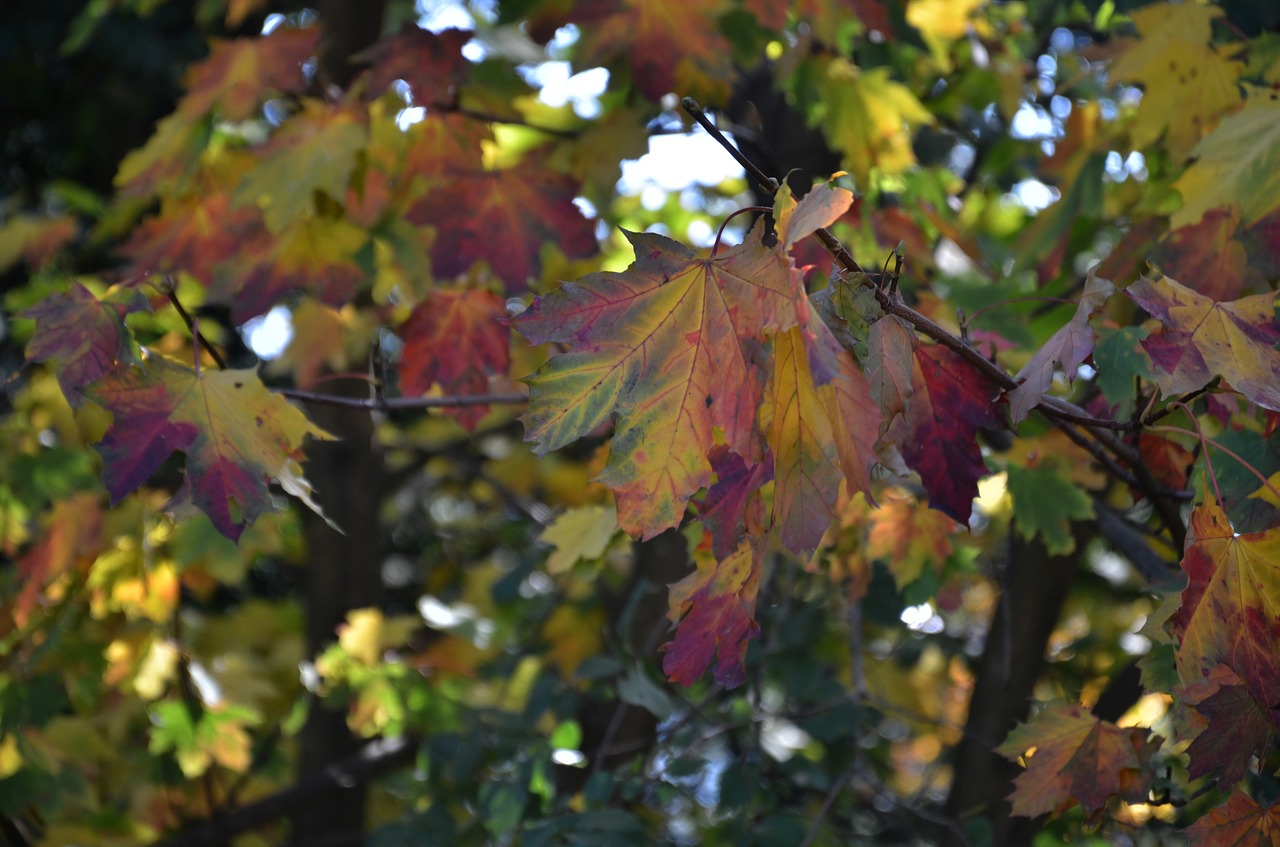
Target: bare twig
171, 291
397, 404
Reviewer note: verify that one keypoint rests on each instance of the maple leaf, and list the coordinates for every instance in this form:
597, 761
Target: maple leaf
169, 158
863, 113
192, 235
1045, 503
1186, 83
1238, 163
908, 535
81, 336
668, 45
35, 240
315, 255
314, 151
580, 533
1066, 350
950, 401
1237, 726
891, 351
503, 217
430, 62
323, 338
714, 607
732, 506
71, 541
1206, 255
672, 349
1231, 577
1169, 462
1202, 339
455, 339
1077, 759
237, 437
239, 74
1239, 823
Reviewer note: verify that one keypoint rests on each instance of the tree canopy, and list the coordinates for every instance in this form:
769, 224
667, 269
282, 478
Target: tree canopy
398, 449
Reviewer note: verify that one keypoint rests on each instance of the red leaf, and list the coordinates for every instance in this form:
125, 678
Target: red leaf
1169, 462
1206, 255
715, 607
239, 74
191, 236
81, 336
724, 511
432, 63
455, 339
71, 541
951, 400
1240, 823
1238, 726
504, 217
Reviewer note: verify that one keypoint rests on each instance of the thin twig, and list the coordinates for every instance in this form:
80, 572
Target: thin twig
172, 293
827, 802
395, 404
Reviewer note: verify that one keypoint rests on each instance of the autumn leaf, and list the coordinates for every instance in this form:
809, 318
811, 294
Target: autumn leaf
1077, 759
672, 349
82, 336
714, 609
732, 506
431, 63
323, 338
239, 74
1207, 256
580, 533
192, 235
1237, 726
71, 541
1236, 164
667, 45
1239, 823
34, 240
1186, 83
891, 354
1202, 339
315, 255
1066, 350
951, 400
1169, 462
455, 339
1231, 577
314, 151
503, 217
237, 437
908, 535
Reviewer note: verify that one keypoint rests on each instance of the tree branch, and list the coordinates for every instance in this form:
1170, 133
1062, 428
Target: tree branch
377, 758
396, 404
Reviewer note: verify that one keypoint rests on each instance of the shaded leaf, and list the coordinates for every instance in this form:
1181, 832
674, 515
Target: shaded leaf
237, 437
430, 62
732, 506
1202, 339
1045, 503
1237, 726
1077, 759
714, 609
1232, 578
238, 75
34, 240
81, 336
71, 541
1239, 823
1208, 257
951, 400
455, 339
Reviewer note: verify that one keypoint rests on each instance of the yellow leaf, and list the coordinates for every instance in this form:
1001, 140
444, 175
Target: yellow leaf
10, 758
156, 670
577, 534
366, 634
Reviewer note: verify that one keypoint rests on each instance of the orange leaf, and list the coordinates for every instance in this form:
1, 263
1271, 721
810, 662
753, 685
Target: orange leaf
1240, 823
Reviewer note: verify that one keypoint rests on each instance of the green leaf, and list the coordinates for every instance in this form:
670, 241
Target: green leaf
1044, 504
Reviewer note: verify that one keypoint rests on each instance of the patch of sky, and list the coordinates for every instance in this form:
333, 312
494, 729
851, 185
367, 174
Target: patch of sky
558, 85
675, 162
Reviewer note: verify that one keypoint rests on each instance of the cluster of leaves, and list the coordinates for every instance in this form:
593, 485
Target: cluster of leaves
863, 393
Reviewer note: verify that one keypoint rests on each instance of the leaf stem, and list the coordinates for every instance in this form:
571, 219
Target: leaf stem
725, 222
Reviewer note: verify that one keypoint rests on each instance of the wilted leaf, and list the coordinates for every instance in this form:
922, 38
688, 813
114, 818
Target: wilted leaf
1202, 339
1077, 759
237, 437
1065, 351
714, 612
455, 339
